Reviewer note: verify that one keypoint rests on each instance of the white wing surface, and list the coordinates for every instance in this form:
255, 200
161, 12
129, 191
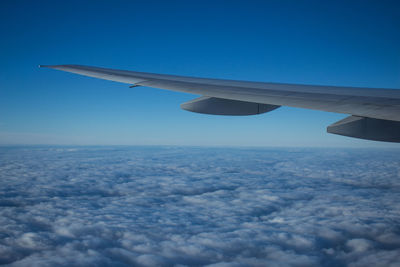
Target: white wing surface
230, 97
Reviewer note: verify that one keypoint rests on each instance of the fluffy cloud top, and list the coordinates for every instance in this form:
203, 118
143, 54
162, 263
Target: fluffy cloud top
171, 206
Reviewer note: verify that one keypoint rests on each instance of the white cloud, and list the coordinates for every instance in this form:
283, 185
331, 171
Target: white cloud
166, 206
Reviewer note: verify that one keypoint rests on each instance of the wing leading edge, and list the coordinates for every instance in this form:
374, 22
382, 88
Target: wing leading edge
379, 104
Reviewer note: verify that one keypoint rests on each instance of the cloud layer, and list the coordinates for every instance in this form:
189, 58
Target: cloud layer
166, 206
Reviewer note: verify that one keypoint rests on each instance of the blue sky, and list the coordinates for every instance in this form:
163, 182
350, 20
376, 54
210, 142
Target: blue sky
349, 43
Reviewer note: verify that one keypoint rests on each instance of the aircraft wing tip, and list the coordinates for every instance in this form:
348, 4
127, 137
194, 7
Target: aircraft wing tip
44, 66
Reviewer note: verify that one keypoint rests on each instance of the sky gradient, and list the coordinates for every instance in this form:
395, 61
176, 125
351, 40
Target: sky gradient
348, 43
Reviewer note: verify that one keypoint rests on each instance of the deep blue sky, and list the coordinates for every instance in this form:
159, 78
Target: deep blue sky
349, 43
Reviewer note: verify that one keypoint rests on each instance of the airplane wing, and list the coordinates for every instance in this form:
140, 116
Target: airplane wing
374, 113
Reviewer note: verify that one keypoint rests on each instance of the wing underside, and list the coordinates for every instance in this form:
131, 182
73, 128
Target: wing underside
229, 97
